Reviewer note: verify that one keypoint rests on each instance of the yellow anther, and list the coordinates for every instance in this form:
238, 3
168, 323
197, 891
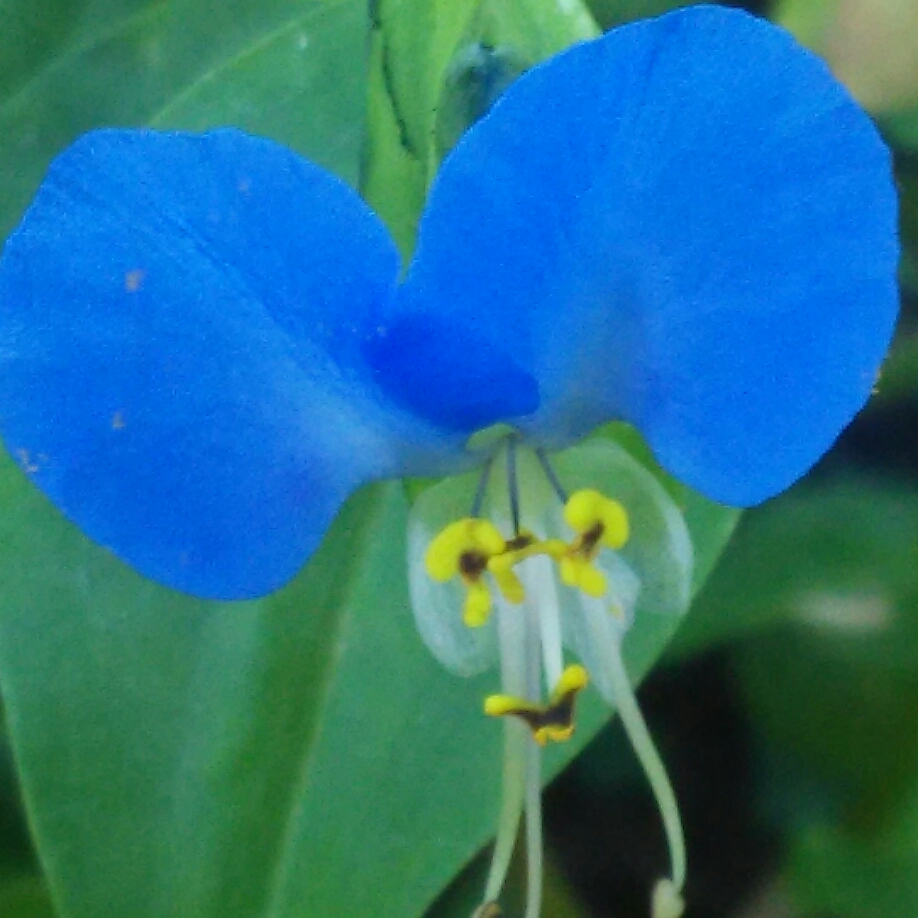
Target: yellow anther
573, 679
519, 548
501, 566
477, 605
549, 722
554, 548
507, 582
598, 520
463, 549
580, 573
471, 547
457, 549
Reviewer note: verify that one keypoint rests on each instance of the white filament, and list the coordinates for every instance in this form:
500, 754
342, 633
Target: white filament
534, 865
533, 803
511, 630
636, 728
537, 576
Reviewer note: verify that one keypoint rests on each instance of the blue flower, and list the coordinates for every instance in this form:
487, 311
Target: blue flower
205, 344
687, 224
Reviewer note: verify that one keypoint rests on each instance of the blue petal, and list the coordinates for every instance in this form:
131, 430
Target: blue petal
687, 224
181, 325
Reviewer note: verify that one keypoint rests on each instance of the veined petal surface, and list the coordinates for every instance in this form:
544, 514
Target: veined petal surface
181, 325
687, 224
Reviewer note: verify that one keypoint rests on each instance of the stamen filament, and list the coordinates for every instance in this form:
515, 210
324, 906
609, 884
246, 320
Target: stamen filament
482, 488
636, 728
516, 740
533, 802
540, 586
512, 485
534, 857
550, 474
511, 630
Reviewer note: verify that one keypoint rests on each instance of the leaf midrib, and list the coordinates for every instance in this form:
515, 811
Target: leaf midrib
62, 61
318, 9
350, 583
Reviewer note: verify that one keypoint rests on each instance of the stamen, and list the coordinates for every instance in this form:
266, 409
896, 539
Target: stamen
477, 606
666, 901
539, 583
668, 893
512, 485
511, 629
521, 547
578, 572
533, 801
552, 722
463, 549
550, 474
482, 488
534, 858
599, 521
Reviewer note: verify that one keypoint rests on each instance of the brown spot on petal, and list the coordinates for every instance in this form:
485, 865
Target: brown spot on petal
133, 280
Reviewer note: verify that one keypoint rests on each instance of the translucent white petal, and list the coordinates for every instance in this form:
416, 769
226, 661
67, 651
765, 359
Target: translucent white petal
659, 549
590, 625
437, 607
652, 573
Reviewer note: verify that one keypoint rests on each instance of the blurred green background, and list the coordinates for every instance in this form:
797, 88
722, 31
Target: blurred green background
787, 705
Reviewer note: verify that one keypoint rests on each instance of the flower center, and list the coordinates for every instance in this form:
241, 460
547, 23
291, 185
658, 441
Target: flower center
474, 550
532, 566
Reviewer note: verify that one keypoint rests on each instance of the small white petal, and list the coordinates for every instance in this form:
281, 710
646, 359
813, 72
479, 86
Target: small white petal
659, 549
437, 607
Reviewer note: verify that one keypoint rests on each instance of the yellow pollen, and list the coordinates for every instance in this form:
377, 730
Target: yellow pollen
463, 549
471, 547
598, 521
552, 722
453, 547
477, 605
519, 548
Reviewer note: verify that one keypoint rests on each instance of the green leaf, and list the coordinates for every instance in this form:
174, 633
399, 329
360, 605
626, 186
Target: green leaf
907, 181
832, 684
839, 719
610, 13
859, 875
830, 687
24, 896
823, 554
902, 128
807, 20
291, 69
